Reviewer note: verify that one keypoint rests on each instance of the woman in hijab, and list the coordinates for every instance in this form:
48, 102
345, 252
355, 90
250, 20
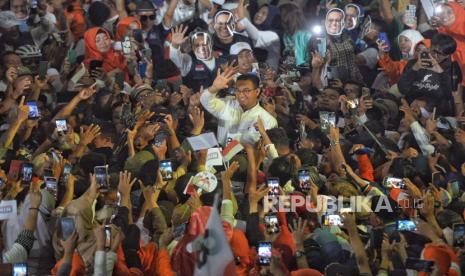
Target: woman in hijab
99, 47
264, 33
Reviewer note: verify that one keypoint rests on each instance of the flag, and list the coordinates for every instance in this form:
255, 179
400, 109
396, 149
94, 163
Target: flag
233, 148
215, 256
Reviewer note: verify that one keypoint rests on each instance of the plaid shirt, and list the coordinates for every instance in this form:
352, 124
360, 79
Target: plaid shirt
343, 56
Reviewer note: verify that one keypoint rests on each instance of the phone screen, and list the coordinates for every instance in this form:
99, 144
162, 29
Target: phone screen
264, 253
166, 169
61, 125
459, 232
101, 175
142, 68
273, 183
27, 172
66, 171
394, 182
272, 223
406, 225
51, 185
107, 236
20, 269
332, 220
126, 45
304, 180
67, 227
72, 56
33, 110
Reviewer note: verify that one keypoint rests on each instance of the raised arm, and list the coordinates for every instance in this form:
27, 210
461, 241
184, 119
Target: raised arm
182, 61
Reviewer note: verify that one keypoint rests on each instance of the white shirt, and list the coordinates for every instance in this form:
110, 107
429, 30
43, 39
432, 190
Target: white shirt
232, 119
182, 13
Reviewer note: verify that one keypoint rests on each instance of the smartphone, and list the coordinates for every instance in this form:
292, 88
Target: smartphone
332, 220
321, 45
426, 60
271, 223
166, 169
304, 180
33, 110
406, 225
119, 79
51, 185
179, 230
376, 238
20, 269
72, 56
43, 66
67, 227
27, 172
383, 38
101, 175
327, 119
126, 45
264, 253
393, 182
15, 169
419, 265
61, 125
353, 104
142, 68
66, 172
273, 183
94, 64
137, 33
107, 236
459, 232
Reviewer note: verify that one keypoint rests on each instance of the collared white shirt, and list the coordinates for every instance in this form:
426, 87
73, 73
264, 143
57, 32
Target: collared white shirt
232, 119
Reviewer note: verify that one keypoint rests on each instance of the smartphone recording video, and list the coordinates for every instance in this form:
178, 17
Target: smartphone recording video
61, 125
332, 220
393, 183
273, 183
264, 253
51, 185
107, 236
304, 180
271, 223
27, 172
33, 110
166, 170
101, 176
406, 225
67, 227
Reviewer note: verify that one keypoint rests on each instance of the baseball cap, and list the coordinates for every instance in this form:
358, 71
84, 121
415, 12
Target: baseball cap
238, 47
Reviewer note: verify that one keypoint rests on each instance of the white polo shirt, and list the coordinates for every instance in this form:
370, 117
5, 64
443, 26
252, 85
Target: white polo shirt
233, 120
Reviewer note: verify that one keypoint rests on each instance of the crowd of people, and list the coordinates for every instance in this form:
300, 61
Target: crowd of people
232, 137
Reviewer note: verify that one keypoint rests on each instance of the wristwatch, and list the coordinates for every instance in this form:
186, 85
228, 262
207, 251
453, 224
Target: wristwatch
299, 254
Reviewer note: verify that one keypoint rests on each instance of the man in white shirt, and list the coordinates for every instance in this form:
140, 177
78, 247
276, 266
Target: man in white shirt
236, 117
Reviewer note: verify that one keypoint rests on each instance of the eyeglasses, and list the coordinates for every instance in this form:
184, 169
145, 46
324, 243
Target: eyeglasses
147, 17
244, 91
338, 21
29, 61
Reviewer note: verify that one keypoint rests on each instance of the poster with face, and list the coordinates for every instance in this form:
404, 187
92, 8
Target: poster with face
334, 22
202, 46
224, 24
352, 13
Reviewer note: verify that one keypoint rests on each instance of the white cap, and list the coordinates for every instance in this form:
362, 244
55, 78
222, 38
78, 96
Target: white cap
230, 6
218, 2
8, 20
238, 47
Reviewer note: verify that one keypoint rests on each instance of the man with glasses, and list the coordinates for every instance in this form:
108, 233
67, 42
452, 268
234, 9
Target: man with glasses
237, 116
429, 75
200, 67
224, 24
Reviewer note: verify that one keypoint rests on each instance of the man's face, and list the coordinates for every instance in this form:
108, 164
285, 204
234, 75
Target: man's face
147, 18
245, 59
222, 25
329, 100
437, 54
334, 23
20, 9
201, 48
351, 17
12, 60
351, 90
246, 94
